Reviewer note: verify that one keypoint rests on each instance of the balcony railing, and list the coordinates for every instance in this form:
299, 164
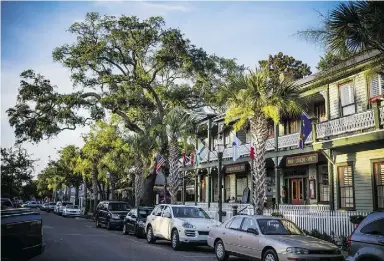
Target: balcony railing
351, 123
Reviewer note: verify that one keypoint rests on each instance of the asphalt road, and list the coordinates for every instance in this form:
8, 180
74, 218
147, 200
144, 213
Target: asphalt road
69, 239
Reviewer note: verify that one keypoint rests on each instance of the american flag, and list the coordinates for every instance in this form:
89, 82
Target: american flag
159, 163
186, 159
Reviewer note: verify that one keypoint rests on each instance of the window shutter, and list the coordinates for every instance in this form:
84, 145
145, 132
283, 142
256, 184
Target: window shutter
376, 85
346, 94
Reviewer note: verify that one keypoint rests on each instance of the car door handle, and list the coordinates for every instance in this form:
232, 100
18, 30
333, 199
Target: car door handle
240, 236
223, 233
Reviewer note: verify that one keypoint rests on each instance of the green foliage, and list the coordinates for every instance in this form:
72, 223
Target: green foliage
258, 96
329, 60
281, 64
16, 169
351, 27
356, 219
277, 214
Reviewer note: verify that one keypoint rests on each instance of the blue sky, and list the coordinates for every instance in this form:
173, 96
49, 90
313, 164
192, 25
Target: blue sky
247, 31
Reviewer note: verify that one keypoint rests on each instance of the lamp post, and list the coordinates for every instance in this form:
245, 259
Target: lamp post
220, 150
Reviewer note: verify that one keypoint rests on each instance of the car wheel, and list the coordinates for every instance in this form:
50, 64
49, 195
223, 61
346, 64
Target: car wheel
150, 236
175, 240
221, 254
138, 232
109, 226
125, 231
97, 223
270, 255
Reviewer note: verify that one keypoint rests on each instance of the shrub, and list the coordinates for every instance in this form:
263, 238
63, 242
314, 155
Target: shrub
277, 214
356, 219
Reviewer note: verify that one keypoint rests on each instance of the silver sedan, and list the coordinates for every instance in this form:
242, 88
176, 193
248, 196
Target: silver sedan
268, 239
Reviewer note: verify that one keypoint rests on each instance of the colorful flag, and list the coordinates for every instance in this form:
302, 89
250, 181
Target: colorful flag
160, 160
252, 153
192, 157
305, 129
186, 159
235, 147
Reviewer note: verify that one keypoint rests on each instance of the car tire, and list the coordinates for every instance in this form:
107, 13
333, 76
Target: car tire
137, 232
270, 255
109, 226
98, 223
221, 253
175, 240
125, 231
150, 236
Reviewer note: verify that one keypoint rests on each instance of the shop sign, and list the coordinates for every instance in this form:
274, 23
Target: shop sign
302, 160
235, 168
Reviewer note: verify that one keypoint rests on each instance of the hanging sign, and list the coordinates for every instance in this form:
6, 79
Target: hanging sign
302, 160
238, 168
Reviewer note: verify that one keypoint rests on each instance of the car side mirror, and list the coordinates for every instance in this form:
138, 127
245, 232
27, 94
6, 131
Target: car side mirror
133, 216
252, 231
167, 215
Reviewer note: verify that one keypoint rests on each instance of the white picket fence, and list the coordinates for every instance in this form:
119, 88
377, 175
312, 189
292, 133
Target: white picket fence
308, 217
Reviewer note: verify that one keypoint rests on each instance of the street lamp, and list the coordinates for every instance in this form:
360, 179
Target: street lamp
220, 150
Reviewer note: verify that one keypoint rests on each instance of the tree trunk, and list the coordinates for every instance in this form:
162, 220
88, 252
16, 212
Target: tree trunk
77, 195
113, 187
95, 190
174, 172
259, 132
85, 195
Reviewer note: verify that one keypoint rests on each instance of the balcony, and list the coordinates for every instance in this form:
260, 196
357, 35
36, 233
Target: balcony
348, 124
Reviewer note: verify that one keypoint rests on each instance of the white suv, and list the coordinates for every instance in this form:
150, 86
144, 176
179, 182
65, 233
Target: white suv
180, 224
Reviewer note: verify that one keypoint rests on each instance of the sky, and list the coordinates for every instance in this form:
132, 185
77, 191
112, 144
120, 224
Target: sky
247, 31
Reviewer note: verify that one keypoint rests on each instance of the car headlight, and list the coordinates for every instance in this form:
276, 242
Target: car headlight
188, 225
297, 250
115, 216
141, 223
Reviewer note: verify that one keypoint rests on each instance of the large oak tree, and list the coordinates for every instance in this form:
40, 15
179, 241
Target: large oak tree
136, 69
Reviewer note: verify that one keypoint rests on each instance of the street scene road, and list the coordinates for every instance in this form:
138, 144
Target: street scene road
79, 239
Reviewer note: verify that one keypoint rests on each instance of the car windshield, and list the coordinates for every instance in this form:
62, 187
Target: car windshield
72, 207
189, 212
118, 207
143, 213
52, 204
278, 227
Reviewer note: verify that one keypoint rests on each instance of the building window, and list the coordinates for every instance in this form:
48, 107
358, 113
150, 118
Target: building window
376, 86
271, 131
378, 172
248, 137
347, 99
323, 184
346, 190
320, 111
291, 126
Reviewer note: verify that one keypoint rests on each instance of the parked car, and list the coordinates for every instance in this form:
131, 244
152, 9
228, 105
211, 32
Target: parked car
268, 239
180, 224
51, 207
43, 207
30, 204
367, 241
21, 234
62, 206
135, 220
6, 203
111, 214
71, 211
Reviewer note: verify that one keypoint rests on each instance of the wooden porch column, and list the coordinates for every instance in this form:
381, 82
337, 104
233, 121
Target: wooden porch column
199, 188
276, 160
196, 172
183, 192
209, 182
330, 182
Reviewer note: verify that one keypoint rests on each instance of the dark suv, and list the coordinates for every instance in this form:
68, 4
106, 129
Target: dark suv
367, 241
111, 214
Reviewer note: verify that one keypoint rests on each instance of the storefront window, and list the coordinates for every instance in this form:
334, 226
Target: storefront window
291, 126
346, 189
323, 184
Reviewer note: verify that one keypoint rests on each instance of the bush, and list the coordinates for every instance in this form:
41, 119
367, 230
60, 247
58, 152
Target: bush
277, 214
342, 241
356, 219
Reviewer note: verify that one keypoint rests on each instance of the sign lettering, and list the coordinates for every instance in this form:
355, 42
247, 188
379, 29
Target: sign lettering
235, 169
302, 160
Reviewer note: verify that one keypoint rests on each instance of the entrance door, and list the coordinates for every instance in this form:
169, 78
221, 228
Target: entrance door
297, 191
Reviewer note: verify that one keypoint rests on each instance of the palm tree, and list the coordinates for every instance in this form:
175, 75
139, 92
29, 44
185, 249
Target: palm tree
179, 124
351, 27
257, 101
